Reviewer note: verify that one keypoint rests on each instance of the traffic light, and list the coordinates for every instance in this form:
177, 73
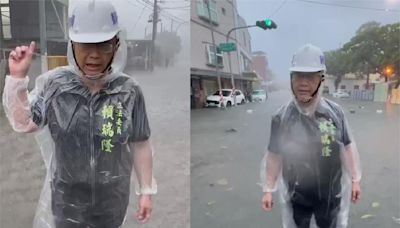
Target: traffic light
266, 24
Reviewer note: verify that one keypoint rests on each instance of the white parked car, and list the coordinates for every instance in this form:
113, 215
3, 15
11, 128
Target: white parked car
341, 94
228, 98
258, 95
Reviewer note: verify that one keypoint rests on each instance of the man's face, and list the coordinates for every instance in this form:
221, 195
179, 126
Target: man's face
305, 84
93, 58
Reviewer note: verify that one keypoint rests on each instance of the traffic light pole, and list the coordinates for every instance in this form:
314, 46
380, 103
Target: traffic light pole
229, 56
43, 36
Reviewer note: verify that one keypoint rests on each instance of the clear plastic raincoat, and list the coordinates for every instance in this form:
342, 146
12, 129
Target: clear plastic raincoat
86, 142
312, 160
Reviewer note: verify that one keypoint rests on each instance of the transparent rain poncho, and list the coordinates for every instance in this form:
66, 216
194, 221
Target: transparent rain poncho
87, 142
311, 160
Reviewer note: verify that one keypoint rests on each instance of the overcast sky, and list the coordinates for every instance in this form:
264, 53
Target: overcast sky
300, 22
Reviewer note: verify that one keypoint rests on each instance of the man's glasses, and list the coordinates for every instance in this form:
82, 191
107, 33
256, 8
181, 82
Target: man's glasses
105, 48
307, 76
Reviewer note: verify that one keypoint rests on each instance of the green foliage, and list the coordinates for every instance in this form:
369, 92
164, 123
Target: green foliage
369, 51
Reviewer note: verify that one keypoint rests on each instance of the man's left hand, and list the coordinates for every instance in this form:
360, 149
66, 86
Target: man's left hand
145, 207
355, 192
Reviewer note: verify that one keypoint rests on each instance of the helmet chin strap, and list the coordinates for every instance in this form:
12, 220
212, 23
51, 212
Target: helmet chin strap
310, 98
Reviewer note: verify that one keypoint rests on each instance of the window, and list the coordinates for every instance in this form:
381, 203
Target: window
225, 93
214, 59
342, 87
246, 63
356, 87
223, 11
5, 19
202, 10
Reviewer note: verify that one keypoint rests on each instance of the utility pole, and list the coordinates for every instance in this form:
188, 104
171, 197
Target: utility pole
1, 40
229, 54
215, 47
172, 24
154, 34
43, 42
2, 61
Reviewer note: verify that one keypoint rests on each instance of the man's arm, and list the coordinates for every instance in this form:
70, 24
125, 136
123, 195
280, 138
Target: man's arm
273, 169
143, 166
352, 162
15, 96
271, 165
16, 105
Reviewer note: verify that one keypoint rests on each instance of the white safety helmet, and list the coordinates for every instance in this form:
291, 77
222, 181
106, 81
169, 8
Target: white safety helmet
308, 58
93, 21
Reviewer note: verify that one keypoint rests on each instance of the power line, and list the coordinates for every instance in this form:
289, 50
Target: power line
175, 3
141, 5
170, 16
277, 10
165, 14
145, 2
178, 7
132, 3
184, 9
140, 16
353, 7
173, 16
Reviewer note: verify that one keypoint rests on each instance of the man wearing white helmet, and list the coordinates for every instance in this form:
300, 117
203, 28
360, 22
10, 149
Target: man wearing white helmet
311, 157
94, 120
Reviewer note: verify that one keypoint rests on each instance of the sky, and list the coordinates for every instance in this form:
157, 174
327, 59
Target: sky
300, 22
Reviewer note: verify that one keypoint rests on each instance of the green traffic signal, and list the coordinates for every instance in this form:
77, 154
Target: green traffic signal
266, 24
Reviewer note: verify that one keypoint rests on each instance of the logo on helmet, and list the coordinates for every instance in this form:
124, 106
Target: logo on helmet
294, 60
71, 21
322, 59
114, 18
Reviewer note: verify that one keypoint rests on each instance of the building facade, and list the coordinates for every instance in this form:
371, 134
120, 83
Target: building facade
260, 66
207, 60
20, 24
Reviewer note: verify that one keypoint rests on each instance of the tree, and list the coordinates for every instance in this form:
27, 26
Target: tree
372, 49
390, 47
337, 65
365, 50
